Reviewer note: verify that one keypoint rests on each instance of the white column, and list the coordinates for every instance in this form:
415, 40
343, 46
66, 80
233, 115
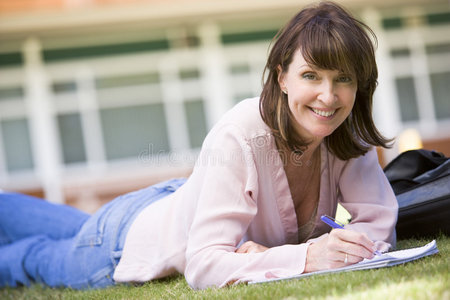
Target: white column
214, 73
173, 103
3, 169
386, 108
44, 138
90, 119
257, 62
422, 83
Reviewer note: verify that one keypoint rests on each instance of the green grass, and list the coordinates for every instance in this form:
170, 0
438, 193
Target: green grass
427, 278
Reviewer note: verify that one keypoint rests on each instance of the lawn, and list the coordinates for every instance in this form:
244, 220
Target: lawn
427, 278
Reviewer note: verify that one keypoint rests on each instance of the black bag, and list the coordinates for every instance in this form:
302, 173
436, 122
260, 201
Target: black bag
421, 182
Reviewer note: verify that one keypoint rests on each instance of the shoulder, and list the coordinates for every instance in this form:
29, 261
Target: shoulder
341, 167
243, 119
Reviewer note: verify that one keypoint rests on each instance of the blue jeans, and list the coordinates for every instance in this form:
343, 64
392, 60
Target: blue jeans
60, 246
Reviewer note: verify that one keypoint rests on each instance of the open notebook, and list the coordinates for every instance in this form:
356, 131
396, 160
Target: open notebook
379, 261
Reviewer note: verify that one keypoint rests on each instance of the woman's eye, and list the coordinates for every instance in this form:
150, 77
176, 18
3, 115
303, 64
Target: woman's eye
344, 78
309, 76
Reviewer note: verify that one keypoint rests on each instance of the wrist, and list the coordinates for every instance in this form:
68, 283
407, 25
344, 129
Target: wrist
310, 265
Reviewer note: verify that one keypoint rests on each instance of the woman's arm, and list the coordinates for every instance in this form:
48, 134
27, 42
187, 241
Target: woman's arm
368, 197
226, 205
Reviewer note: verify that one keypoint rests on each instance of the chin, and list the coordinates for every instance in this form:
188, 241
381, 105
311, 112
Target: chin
323, 133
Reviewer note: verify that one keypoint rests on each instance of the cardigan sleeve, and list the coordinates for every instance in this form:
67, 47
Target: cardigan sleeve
368, 197
227, 187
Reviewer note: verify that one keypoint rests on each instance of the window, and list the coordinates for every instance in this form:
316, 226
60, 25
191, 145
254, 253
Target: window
51, 55
241, 80
195, 115
128, 131
15, 93
64, 87
11, 59
440, 83
71, 137
407, 97
127, 80
17, 145
420, 55
246, 37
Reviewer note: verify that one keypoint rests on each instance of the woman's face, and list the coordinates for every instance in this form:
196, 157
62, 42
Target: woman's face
320, 100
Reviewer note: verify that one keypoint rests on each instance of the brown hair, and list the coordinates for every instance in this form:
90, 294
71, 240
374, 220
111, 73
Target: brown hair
329, 38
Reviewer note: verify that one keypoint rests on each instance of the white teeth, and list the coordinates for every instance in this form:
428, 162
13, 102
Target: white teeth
324, 113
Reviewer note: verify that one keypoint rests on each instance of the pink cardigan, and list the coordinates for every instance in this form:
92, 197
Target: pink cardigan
238, 191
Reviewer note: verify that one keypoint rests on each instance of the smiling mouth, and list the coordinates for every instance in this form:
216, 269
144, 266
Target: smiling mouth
323, 113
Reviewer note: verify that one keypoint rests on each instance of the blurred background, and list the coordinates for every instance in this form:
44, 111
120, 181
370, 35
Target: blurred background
101, 97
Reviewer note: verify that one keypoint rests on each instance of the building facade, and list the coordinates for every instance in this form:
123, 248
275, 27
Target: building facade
98, 98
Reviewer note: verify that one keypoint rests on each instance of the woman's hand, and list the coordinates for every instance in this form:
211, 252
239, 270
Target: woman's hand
340, 248
251, 247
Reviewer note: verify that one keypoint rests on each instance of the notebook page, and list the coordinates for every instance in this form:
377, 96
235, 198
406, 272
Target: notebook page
385, 260
413, 252
400, 255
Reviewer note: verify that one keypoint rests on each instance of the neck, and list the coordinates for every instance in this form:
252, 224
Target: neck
307, 158
299, 157
312, 150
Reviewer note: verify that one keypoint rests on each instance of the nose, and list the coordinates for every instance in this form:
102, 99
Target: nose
327, 93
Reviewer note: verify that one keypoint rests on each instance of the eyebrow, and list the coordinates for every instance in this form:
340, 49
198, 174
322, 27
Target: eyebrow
317, 69
314, 68
307, 66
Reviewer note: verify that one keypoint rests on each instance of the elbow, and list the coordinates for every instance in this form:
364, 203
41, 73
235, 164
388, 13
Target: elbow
193, 279
199, 273
390, 222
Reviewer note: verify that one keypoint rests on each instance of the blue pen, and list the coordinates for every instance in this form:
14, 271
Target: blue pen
335, 224
331, 222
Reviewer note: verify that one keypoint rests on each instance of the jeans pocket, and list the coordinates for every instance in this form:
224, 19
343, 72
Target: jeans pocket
92, 232
102, 278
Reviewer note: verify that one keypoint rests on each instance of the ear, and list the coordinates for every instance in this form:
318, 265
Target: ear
281, 78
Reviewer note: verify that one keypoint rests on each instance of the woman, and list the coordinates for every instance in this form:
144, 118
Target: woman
250, 210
